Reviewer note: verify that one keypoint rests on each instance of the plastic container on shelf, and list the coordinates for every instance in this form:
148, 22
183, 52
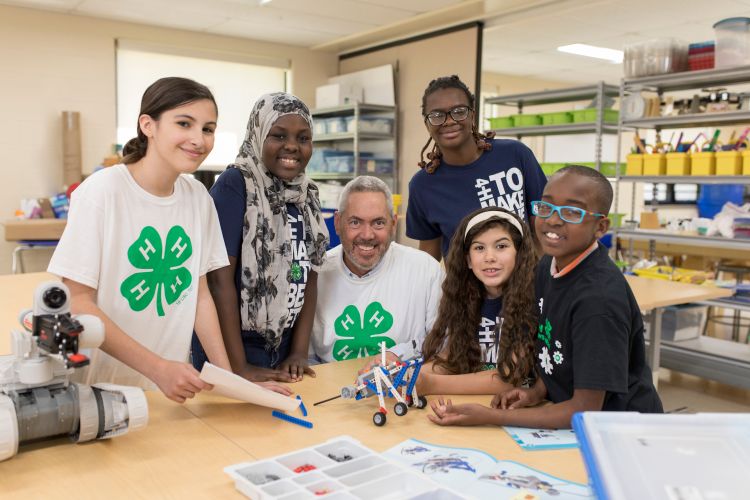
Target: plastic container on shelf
655, 57
713, 196
701, 56
746, 162
589, 115
728, 163
551, 168
678, 164
526, 120
703, 163
655, 164
501, 122
336, 125
371, 125
556, 118
732, 42
635, 164
320, 126
607, 169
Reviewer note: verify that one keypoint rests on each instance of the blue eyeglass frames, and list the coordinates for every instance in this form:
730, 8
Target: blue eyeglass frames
572, 215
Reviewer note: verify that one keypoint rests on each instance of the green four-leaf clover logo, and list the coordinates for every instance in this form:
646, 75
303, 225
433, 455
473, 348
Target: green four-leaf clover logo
545, 332
362, 336
163, 269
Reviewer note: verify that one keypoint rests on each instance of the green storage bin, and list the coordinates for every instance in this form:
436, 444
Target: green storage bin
589, 115
527, 120
551, 168
607, 169
556, 118
501, 122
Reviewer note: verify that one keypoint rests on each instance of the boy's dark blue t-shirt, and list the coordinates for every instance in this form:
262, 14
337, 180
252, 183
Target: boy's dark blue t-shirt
230, 197
590, 336
508, 176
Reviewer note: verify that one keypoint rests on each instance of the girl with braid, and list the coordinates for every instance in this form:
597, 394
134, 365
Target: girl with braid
464, 170
482, 341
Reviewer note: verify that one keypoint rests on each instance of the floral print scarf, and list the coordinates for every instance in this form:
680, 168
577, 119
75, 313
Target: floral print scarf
266, 239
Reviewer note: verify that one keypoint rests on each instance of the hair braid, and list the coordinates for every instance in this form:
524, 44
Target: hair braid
483, 141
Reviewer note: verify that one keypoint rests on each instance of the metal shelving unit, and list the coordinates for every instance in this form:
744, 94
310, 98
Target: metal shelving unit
675, 82
658, 235
353, 140
597, 127
712, 358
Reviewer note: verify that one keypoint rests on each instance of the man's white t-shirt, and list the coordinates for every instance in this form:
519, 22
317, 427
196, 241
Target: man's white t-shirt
144, 255
396, 302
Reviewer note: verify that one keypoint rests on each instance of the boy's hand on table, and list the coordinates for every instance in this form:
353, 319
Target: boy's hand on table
257, 374
296, 365
179, 381
276, 387
515, 398
446, 413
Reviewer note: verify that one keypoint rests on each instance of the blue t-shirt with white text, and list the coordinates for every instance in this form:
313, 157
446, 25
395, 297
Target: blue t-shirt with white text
508, 176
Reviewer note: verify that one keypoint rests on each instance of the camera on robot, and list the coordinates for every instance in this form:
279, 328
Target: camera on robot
54, 329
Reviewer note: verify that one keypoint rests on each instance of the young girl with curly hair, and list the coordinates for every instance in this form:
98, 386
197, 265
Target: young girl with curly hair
482, 340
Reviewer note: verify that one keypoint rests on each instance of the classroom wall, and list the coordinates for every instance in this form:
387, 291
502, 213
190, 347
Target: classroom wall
53, 62
419, 62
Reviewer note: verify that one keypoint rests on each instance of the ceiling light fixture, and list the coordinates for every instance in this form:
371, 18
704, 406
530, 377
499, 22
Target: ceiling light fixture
263, 2
582, 49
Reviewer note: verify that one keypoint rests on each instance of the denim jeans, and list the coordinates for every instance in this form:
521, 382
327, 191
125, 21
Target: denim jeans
255, 350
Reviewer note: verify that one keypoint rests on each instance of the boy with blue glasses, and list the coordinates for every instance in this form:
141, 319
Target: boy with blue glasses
590, 351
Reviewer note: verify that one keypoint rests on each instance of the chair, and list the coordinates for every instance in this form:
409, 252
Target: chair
26, 245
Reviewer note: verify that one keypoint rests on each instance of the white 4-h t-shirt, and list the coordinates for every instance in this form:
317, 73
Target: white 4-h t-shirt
395, 303
144, 255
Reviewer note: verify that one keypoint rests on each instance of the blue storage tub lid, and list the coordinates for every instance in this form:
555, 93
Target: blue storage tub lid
733, 20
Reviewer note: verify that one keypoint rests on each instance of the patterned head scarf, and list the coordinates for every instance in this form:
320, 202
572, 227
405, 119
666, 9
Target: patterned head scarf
266, 239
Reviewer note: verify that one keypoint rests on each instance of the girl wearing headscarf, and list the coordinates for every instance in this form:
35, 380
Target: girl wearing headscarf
276, 239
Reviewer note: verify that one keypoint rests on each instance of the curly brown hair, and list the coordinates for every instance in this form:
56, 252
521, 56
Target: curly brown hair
455, 328
483, 141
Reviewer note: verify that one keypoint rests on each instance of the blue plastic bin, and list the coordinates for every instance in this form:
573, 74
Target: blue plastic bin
712, 198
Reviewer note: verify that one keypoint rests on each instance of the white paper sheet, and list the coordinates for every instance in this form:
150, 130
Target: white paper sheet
233, 386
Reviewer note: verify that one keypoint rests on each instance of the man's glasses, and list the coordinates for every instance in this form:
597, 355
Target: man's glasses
437, 118
572, 215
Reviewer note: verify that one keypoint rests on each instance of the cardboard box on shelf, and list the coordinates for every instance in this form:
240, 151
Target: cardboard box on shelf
337, 94
34, 229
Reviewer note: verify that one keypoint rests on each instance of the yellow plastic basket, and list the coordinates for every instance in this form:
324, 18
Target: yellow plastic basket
746, 162
672, 274
728, 163
703, 163
678, 164
655, 164
635, 164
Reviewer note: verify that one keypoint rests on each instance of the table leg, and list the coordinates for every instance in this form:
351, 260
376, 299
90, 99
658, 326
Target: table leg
654, 350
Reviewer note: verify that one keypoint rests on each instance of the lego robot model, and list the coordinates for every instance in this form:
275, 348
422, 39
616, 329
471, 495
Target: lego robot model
386, 380
37, 399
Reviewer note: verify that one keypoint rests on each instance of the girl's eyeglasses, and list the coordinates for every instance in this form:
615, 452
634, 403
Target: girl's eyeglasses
572, 215
437, 118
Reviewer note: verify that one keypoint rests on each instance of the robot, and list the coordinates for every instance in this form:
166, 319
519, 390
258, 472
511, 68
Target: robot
37, 398
386, 380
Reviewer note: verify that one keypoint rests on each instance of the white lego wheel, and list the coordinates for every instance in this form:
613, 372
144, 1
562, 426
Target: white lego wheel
8, 428
88, 412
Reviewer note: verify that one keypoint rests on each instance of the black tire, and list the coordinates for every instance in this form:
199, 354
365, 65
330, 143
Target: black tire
400, 409
421, 402
378, 419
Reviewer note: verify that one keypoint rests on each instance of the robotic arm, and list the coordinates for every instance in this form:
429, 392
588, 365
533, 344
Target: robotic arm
37, 399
